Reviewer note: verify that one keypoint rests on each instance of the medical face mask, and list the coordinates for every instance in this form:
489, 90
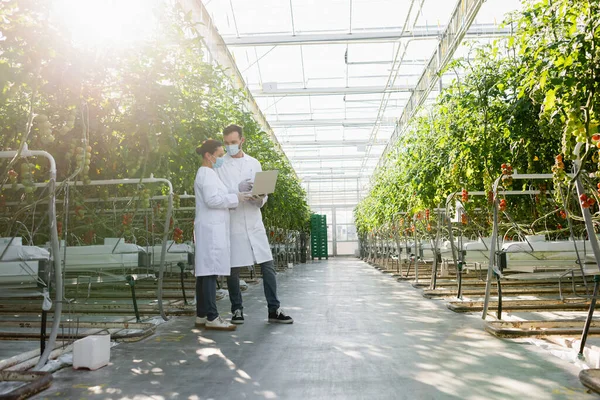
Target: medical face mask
233, 149
219, 162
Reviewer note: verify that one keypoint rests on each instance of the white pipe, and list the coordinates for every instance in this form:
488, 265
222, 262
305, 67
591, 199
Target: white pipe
503, 192
31, 153
152, 179
163, 254
587, 216
111, 210
25, 152
99, 200
488, 283
19, 358
107, 182
26, 365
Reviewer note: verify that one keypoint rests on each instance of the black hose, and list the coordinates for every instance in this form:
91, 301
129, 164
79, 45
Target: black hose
43, 331
588, 320
459, 273
499, 296
131, 281
181, 275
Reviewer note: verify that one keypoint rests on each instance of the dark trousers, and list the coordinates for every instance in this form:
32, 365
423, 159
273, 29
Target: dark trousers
206, 297
269, 286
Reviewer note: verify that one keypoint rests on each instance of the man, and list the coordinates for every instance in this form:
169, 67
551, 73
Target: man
249, 243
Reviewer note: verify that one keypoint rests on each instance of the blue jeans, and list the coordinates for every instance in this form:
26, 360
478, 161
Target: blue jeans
269, 285
206, 297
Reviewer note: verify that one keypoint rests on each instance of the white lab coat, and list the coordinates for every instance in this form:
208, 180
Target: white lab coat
211, 225
249, 243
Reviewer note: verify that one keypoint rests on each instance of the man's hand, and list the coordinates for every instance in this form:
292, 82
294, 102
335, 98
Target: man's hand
245, 186
257, 200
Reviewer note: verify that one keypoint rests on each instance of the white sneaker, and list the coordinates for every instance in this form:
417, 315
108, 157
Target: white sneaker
200, 322
219, 324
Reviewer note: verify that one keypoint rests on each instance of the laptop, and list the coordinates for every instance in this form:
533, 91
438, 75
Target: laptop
264, 183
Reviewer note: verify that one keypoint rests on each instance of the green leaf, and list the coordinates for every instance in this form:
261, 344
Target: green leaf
549, 101
543, 79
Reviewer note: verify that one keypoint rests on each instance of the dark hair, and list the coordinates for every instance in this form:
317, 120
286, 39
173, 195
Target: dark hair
208, 146
233, 128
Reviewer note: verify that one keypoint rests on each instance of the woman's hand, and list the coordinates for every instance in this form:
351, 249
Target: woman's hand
243, 197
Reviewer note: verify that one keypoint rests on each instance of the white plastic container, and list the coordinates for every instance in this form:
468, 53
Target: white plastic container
535, 238
113, 241
91, 352
17, 241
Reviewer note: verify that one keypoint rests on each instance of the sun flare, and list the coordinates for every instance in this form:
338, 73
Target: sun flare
107, 23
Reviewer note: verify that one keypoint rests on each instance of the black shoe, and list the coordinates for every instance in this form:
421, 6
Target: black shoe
238, 317
280, 317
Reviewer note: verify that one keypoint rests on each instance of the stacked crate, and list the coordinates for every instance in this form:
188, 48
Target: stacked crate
318, 236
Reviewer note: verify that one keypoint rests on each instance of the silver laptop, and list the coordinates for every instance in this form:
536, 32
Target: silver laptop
264, 182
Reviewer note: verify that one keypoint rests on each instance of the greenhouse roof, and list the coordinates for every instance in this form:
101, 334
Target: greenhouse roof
333, 77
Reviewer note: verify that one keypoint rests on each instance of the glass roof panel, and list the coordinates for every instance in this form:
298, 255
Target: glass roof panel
493, 12
356, 70
317, 15
435, 13
378, 14
326, 127
220, 12
363, 52
324, 61
421, 49
285, 105
327, 102
275, 14
283, 64
378, 81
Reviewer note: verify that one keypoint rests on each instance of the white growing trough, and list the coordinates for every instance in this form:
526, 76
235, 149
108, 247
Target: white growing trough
527, 255
19, 265
114, 254
176, 252
428, 253
546, 254
479, 251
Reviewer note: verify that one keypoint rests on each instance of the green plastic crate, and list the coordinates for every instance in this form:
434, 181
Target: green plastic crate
318, 228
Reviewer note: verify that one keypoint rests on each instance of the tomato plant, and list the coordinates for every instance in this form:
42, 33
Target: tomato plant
121, 113
517, 105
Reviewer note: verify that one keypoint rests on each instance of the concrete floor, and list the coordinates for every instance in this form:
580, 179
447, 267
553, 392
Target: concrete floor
358, 334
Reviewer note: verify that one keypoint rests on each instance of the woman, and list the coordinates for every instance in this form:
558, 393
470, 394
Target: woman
211, 234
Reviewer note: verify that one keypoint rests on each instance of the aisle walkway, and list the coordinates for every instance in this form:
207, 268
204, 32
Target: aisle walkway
358, 334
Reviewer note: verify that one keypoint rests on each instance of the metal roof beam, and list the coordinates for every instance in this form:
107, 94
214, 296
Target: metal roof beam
338, 205
328, 170
418, 32
330, 143
357, 157
219, 52
349, 123
326, 91
325, 173
460, 22
320, 178
338, 192
404, 62
328, 111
